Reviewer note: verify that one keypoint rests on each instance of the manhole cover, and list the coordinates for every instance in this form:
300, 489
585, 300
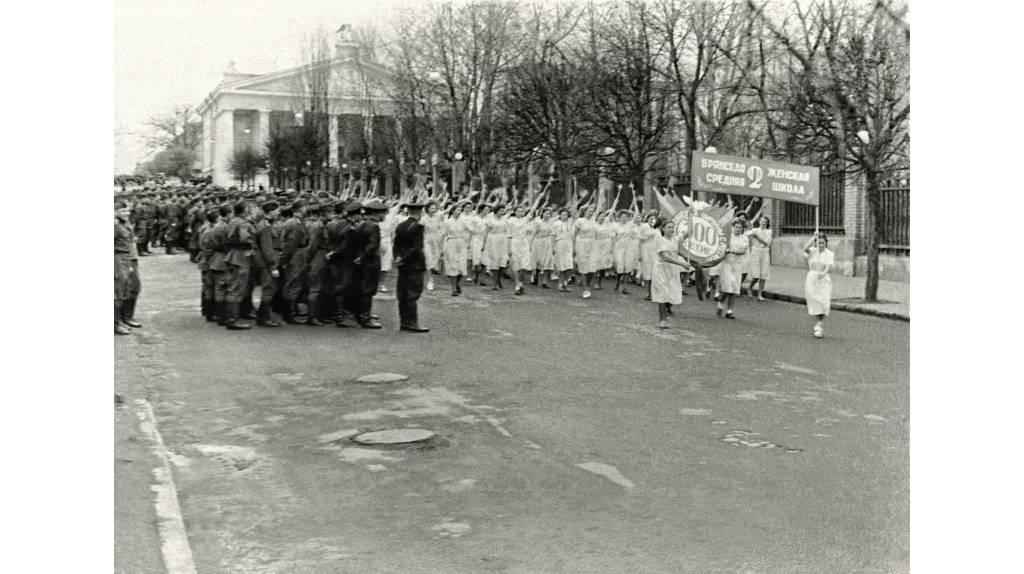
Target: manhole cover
382, 378
394, 436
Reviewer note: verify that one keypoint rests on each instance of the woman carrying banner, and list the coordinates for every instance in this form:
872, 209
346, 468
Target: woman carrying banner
666, 287
759, 269
731, 274
818, 285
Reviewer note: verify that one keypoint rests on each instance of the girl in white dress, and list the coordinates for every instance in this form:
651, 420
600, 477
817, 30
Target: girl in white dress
759, 269
563, 233
585, 229
620, 249
476, 239
633, 247
495, 255
604, 240
387, 233
648, 251
519, 235
542, 250
432, 244
818, 284
455, 234
731, 278
666, 287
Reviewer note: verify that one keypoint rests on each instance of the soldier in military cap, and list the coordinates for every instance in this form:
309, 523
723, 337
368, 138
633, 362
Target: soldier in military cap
239, 263
316, 264
412, 264
368, 261
142, 220
207, 305
292, 261
265, 263
126, 272
341, 259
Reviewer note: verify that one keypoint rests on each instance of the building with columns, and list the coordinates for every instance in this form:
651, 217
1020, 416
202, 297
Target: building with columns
244, 109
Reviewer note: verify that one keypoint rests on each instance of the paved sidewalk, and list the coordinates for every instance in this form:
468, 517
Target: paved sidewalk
787, 284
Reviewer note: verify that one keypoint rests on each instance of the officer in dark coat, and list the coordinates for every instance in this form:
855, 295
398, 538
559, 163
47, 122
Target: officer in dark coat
368, 262
241, 234
292, 261
341, 259
265, 261
412, 264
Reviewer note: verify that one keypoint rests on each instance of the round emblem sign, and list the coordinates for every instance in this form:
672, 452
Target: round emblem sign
707, 243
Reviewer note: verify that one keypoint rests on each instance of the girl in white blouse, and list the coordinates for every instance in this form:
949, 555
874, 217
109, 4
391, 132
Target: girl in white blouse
818, 284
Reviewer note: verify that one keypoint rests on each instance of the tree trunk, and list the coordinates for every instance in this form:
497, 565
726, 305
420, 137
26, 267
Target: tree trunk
873, 237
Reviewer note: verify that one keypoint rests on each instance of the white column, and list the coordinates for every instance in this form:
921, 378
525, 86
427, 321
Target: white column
224, 135
262, 131
333, 128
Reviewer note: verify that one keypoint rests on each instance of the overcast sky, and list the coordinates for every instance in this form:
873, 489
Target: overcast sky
173, 52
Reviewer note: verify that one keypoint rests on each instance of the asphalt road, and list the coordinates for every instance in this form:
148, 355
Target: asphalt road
572, 436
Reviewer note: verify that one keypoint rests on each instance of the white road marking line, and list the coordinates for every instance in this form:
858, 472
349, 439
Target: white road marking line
173, 538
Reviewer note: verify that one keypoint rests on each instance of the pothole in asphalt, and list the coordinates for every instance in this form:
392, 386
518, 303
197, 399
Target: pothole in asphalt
382, 378
747, 438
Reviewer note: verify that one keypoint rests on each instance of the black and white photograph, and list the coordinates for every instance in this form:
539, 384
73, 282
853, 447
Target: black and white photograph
482, 286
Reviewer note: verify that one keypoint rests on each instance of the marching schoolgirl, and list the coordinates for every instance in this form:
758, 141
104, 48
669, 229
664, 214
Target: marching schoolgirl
585, 230
731, 274
495, 254
456, 236
432, 243
648, 234
563, 255
666, 287
604, 238
542, 250
759, 269
621, 249
519, 235
477, 230
818, 284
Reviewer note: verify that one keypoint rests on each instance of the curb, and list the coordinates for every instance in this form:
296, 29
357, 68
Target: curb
840, 307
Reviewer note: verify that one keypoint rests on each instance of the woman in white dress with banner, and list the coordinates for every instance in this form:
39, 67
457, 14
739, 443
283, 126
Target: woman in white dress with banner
731, 275
666, 287
759, 269
818, 284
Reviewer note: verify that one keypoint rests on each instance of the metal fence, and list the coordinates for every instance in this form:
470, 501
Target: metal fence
894, 206
798, 218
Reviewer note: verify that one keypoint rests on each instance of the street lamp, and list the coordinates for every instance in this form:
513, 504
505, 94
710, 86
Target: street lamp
711, 149
864, 137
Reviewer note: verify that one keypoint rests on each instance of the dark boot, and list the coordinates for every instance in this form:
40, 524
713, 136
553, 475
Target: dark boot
288, 312
220, 308
314, 312
119, 327
233, 324
263, 317
211, 310
128, 313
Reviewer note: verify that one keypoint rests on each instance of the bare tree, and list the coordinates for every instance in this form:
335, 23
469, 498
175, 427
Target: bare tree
313, 89
175, 128
849, 86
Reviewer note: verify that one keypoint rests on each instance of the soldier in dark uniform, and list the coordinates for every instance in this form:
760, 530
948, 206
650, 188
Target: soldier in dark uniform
195, 219
218, 266
126, 271
159, 216
172, 222
412, 264
340, 259
203, 262
142, 219
239, 262
265, 271
367, 262
316, 270
292, 262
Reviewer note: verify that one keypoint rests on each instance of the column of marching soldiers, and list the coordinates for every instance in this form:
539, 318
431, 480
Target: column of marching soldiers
314, 258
